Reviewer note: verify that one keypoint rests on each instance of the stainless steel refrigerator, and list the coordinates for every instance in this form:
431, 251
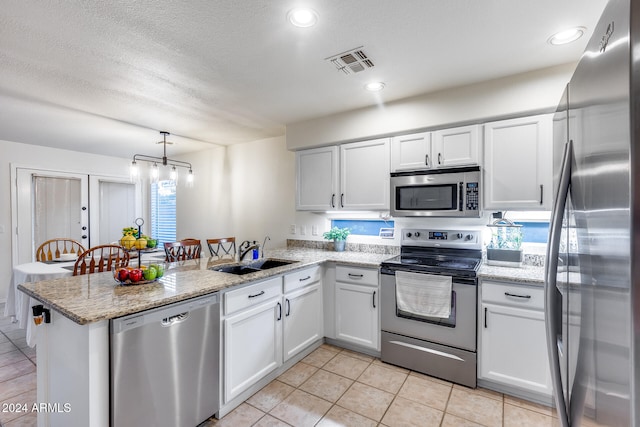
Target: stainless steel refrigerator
593, 258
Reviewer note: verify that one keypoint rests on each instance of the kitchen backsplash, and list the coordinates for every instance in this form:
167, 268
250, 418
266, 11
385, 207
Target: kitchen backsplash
354, 247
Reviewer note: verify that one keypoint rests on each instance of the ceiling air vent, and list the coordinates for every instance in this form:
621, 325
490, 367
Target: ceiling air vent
352, 61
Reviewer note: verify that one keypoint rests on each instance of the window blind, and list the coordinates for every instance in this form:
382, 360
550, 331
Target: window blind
163, 211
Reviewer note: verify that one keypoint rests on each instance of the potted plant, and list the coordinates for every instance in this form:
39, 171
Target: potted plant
339, 237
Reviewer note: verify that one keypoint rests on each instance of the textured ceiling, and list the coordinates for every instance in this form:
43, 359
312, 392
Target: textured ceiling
106, 76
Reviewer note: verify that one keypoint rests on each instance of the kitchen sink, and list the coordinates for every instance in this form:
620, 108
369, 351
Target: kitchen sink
253, 267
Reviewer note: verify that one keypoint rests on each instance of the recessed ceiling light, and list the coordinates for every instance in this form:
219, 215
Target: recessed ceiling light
567, 36
374, 86
302, 17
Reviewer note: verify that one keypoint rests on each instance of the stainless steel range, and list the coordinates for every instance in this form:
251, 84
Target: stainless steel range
429, 297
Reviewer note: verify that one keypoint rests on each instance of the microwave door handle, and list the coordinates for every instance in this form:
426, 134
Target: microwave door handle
461, 203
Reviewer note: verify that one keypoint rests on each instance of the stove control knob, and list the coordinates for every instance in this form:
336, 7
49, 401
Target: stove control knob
408, 234
469, 237
416, 234
459, 235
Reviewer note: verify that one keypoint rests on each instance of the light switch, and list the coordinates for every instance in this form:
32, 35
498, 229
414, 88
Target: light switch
303, 230
292, 229
314, 230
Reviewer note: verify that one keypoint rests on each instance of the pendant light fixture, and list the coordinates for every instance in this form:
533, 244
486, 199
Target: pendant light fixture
164, 161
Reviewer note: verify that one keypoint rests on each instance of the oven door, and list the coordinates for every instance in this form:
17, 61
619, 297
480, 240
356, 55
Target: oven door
459, 330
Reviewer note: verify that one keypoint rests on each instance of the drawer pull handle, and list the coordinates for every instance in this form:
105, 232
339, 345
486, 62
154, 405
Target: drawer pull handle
256, 295
288, 307
357, 276
374, 299
517, 296
305, 278
485, 317
279, 311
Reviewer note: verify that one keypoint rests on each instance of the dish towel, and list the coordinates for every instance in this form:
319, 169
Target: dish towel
423, 294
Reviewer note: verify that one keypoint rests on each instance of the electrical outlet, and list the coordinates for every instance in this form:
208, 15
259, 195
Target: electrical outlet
292, 229
314, 230
303, 230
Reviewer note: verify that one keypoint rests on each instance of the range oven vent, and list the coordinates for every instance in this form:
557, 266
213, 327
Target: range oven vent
352, 61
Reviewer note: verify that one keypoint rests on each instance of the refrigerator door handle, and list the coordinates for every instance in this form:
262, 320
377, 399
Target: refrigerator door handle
551, 268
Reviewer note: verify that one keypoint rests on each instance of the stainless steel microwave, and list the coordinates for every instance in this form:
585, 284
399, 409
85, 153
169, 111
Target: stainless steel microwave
453, 192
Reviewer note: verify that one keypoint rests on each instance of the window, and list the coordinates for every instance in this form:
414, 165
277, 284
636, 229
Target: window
366, 227
163, 211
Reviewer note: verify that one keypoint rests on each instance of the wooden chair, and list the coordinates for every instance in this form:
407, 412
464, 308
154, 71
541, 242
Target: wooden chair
182, 250
52, 249
224, 247
101, 258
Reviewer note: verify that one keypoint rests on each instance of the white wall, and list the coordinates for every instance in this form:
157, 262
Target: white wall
522, 94
27, 155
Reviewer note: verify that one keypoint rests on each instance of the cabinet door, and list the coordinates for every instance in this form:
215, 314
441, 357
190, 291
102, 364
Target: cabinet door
457, 147
513, 348
411, 152
317, 179
364, 175
357, 314
517, 159
252, 346
302, 319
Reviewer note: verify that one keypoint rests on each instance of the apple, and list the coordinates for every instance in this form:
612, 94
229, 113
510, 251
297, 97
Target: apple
135, 275
159, 269
150, 273
123, 274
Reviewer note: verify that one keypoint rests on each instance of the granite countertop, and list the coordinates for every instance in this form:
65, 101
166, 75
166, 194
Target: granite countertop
527, 274
94, 297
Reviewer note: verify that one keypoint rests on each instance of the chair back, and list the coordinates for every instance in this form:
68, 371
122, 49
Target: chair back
101, 258
52, 249
182, 250
224, 247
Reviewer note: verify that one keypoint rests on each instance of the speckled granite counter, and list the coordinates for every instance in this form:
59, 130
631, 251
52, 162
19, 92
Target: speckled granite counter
528, 274
95, 297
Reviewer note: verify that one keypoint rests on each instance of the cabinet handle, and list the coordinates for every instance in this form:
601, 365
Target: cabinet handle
357, 276
288, 307
304, 278
342, 200
279, 311
426, 160
541, 192
374, 299
517, 296
439, 158
333, 200
485, 317
256, 295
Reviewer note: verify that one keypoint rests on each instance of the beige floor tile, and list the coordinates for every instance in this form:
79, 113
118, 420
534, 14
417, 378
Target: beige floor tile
297, 374
346, 366
542, 409
357, 355
29, 352
390, 366
482, 392
243, 416
21, 343
270, 395
326, 385
430, 378
27, 420
403, 412
341, 417
12, 357
17, 369
319, 357
516, 416
476, 407
15, 334
427, 392
6, 347
25, 402
381, 377
16, 386
366, 400
301, 409
269, 421
331, 347
3, 338
453, 421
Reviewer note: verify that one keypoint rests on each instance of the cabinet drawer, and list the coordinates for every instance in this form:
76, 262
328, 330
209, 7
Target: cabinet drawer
512, 294
357, 275
302, 278
251, 295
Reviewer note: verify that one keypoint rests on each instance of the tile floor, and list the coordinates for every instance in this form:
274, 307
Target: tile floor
335, 387
17, 374
331, 387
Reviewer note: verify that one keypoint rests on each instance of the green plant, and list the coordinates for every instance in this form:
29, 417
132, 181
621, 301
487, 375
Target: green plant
337, 234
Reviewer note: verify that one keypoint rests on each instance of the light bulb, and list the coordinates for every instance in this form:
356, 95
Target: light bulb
155, 173
133, 171
173, 176
190, 179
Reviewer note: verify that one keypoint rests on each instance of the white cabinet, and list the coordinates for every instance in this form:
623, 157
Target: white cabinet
444, 148
513, 347
302, 307
518, 163
351, 176
357, 306
252, 335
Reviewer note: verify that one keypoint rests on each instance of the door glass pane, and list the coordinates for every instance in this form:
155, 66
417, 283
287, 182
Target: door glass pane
57, 208
427, 197
117, 210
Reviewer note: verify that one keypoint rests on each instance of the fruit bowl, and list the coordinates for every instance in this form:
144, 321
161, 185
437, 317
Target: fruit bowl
138, 276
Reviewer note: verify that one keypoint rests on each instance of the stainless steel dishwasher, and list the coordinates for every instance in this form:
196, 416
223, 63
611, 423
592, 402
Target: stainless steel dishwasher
165, 365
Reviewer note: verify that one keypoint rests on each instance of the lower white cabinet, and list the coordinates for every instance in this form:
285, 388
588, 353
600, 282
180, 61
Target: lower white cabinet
357, 306
513, 347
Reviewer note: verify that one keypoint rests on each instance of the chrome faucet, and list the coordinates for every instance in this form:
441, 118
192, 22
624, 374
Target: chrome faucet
246, 247
264, 244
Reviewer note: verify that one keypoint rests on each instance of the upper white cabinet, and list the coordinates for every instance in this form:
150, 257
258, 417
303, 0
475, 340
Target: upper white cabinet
440, 149
517, 163
350, 176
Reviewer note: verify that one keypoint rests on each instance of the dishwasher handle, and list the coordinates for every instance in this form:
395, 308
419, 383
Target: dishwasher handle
172, 320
